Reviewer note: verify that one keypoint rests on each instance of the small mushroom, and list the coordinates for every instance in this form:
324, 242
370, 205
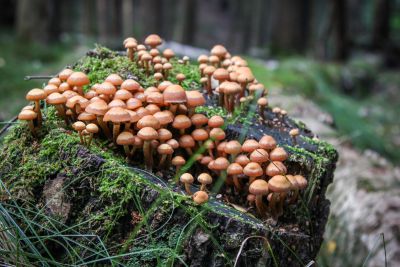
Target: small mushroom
234, 170
58, 100
259, 188
252, 170
126, 139
79, 126
187, 179
29, 116
147, 134
278, 154
77, 80
164, 150
200, 197
279, 185
178, 162
205, 179
36, 95
262, 103
294, 133
92, 129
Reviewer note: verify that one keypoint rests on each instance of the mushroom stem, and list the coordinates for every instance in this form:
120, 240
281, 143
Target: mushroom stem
81, 137
294, 196
173, 108
236, 182
209, 89
187, 189
260, 205
162, 160
61, 112
272, 205
116, 128
127, 151
104, 126
221, 99
133, 150
189, 150
130, 54
32, 127
39, 113
203, 187
282, 197
90, 139
147, 155
262, 112
128, 126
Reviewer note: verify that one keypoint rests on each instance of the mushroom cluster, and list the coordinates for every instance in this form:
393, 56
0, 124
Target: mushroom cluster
160, 124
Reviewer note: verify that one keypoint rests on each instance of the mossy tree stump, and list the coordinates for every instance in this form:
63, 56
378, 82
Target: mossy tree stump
143, 218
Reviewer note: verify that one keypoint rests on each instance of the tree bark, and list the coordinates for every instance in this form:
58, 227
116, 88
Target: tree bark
185, 26
32, 22
381, 26
339, 29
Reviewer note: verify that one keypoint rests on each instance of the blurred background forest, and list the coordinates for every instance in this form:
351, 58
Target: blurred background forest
343, 55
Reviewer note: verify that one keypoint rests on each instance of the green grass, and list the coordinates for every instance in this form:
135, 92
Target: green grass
376, 129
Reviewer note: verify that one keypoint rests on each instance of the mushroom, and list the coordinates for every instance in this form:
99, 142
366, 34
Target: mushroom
153, 40
180, 78
250, 145
200, 197
92, 129
99, 108
219, 165
36, 95
198, 120
29, 116
275, 168
187, 142
181, 122
194, 99
278, 154
279, 185
131, 45
58, 100
200, 135
205, 179
219, 51
267, 142
252, 170
79, 126
147, 134
64, 74
234, 170
117, 116
187, 179
233, 148
216, 121
178, 162
208, 71
77, 80
164, 150
259, 155
217, 134
294, 133
126, 139
174, 95
243, 160
262, 103
168, 54
300, 182
259, 188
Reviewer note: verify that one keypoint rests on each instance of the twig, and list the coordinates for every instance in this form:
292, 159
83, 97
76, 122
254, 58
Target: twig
38, 77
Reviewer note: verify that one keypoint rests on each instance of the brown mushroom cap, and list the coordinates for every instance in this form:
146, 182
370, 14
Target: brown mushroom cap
258, 187
204, 178
186, 141
98, 107
194, 99
164, 135
64, 74
178, 161
253, 169
79, 126
56, 99
115, 79
262, 101
130, 85
233, 147
117, 115
200, 197
267, 142
200, 134
220, 164
243, 160
217, 134
36, 95
181, 122
78, 79
250, 145
168, 53
117, 103
106, 88
50, 88
199, 120
301, 181
187, 178
173, 143
133, 103
278, 154
125, 138
221, 74
123, 94
27, 115
92, 128
147, 134
216, 121
275, 168
235, 169
163, 85
155, 98
164, 117
85, 116
153, 40
165, 149
209, 70
148, 121
219, 51
259, 155
279, 184
294, 132
174, 94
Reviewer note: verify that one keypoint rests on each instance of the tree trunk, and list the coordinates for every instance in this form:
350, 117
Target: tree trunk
151, 17
127, 18
339, 29
381, 26
185, 25
32, 22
